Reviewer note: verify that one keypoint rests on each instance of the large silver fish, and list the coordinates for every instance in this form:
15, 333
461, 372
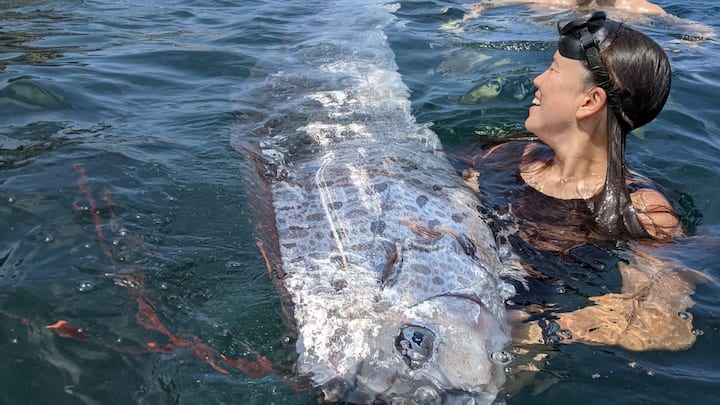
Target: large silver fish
393, 280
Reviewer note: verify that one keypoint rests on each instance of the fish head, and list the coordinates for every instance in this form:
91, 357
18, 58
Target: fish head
434, 356
437, 335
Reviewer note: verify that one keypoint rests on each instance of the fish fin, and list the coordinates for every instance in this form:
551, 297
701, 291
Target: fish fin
392, 265
421, 229
261, 211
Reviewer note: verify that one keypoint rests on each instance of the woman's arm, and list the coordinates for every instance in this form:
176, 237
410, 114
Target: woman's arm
649, 313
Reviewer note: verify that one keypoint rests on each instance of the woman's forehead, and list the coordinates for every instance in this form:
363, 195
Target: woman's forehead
568, 63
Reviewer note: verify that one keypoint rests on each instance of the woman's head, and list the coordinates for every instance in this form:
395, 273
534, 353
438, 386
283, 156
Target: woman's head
632, 69
635, 74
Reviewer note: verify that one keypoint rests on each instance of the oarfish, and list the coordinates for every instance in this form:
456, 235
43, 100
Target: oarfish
393, 280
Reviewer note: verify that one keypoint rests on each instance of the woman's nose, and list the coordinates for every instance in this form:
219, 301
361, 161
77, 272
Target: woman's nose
538, 79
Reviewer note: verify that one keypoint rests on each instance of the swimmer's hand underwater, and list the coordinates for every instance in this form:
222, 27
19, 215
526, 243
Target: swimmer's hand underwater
649, 314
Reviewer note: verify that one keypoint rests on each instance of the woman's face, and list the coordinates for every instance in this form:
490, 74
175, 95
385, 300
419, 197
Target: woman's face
560, 92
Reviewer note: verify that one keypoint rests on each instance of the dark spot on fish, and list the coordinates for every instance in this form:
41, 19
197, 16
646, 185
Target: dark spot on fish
307, 139
377, 227
326, 183
339, 284
356, 213
334, 390
319, 236
315, 217
410, 208
318, 255
380, 187
336, 205
438, 281
298, 232
458, 218
433, 223
421, 268
436, 187
421, 201
289, 245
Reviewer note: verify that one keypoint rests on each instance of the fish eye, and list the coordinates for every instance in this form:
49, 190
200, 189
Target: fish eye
415, 345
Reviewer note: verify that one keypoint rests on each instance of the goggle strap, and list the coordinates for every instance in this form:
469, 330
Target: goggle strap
592, 55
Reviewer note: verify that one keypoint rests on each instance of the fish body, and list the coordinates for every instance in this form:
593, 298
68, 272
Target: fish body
516, 88
29, 96
392, 278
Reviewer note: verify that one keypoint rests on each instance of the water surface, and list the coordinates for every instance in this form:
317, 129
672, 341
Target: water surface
146, 96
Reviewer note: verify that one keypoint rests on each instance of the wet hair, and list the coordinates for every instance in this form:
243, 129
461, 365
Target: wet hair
635, 74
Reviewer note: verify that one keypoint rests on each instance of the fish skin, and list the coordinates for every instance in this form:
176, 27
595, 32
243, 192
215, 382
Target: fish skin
390, 276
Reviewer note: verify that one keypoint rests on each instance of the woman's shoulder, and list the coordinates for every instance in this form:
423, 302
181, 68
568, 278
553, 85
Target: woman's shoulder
656, 214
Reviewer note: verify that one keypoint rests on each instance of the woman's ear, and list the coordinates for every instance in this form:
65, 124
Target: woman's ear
595, 100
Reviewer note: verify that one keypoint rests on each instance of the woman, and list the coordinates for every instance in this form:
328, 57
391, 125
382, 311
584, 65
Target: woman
572, 190
605, 80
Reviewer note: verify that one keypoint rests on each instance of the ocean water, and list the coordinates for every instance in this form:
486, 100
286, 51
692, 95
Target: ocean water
117, 169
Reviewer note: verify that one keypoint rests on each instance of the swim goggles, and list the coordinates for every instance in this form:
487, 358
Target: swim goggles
580, 39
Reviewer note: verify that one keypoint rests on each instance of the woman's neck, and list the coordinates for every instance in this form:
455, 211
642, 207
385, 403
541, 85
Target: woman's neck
571, 173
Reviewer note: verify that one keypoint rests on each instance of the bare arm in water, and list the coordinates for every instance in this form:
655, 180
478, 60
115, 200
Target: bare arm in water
649, 313
627, 10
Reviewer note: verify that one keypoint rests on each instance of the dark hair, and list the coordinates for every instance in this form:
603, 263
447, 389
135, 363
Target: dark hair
637, 83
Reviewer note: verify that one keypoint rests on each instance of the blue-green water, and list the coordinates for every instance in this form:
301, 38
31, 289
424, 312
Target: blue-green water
147, 96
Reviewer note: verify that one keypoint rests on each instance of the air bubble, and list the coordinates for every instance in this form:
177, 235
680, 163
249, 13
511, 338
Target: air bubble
684, 315
123, 232
85, 287
564, 333
560, 290
501, 356
164, 286
11, 200
426, 395
698, 332
633, 364
595, 376
49, 238
651, 373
